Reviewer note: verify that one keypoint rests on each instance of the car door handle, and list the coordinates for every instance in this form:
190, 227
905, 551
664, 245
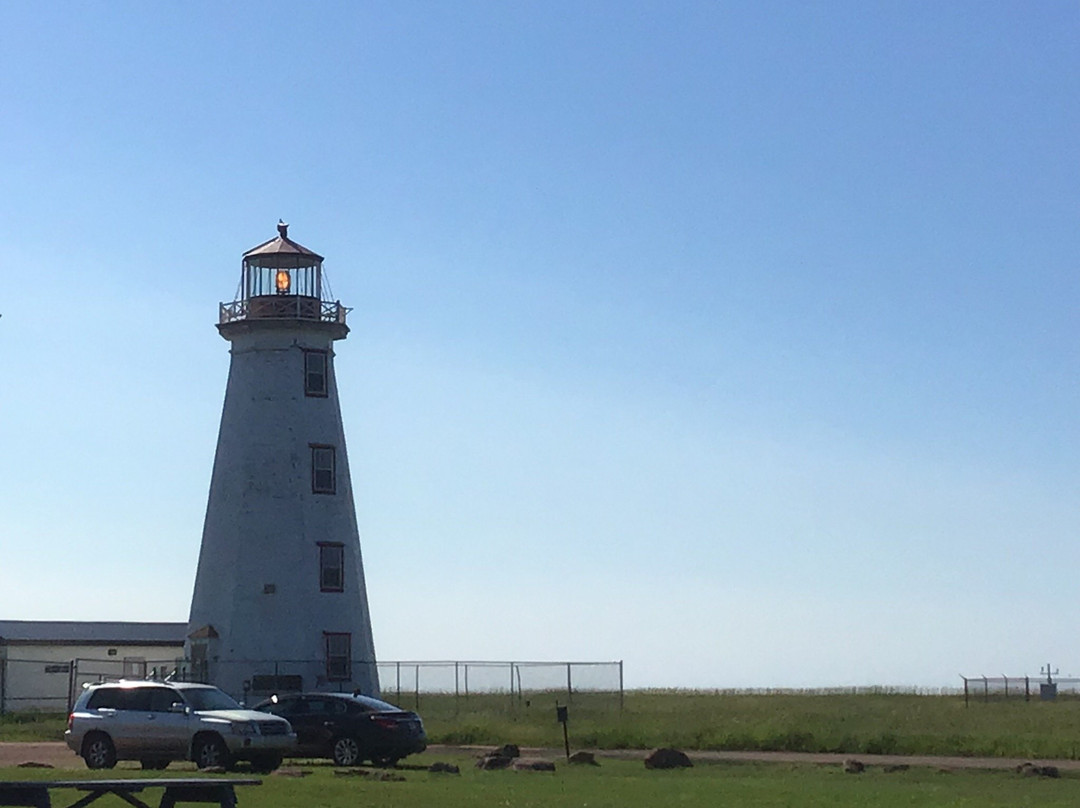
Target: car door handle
328, 724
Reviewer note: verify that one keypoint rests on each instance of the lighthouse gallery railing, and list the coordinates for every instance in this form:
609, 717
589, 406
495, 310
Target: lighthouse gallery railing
283, 307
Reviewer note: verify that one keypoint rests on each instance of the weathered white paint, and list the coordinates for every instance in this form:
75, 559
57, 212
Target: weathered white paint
263, 523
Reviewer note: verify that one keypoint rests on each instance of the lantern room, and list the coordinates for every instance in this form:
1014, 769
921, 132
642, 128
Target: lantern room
282, 280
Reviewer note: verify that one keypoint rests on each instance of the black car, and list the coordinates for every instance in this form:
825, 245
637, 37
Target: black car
348, 728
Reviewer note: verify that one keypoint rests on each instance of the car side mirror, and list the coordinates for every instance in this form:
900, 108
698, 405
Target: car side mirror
179, 707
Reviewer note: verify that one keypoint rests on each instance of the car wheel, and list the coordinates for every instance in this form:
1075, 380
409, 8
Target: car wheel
154, 765
98, 751
210, 752
264, 764
346, 751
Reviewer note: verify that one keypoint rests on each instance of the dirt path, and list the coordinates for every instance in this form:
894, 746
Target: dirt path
60, 757
51, 753
818, 758
828, 758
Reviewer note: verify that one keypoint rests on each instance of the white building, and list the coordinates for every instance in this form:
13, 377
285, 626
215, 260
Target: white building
43, 664
280, 600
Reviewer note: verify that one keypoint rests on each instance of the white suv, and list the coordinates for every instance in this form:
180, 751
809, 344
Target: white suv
157, 722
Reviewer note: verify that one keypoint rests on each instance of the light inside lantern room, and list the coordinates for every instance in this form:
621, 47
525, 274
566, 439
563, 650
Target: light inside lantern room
282, 282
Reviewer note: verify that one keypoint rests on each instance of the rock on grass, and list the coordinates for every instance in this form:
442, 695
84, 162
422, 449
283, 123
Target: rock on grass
667, 758
583, 759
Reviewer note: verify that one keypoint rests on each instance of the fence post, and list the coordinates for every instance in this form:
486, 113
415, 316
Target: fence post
397, 665
569, 684
986, 690
621, 691
1027, 689
72, 684
965, 690
511, 686
466, 681
3, 681
75, 680
417, 682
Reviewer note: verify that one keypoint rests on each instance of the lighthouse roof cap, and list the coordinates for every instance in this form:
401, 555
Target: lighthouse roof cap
280, 249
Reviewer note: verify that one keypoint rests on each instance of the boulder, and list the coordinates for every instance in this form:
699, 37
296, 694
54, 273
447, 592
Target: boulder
443, 768
493, 762
509, 750
853, 766
667, 758
583, 759
1031, 770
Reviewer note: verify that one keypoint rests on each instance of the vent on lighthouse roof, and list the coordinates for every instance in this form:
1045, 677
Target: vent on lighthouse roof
281, 251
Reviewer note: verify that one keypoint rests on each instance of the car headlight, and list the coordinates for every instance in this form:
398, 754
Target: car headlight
243, 728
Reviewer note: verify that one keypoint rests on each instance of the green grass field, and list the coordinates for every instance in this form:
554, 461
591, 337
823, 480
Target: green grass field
856, 724
627, 784
32, 726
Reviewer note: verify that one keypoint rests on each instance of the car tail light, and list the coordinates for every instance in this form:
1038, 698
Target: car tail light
384, 722
71, 718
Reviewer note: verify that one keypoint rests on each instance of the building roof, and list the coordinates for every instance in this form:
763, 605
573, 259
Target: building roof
269, 252
72, 632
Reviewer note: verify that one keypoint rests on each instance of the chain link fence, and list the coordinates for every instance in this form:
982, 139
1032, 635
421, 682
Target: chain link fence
408, 681
252, 680
53, 686
27, 684
1000, 688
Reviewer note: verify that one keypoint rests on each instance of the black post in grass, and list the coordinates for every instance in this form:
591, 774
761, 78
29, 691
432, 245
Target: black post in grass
561, 716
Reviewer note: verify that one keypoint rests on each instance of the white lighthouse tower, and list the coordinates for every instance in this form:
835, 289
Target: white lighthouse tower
280, 601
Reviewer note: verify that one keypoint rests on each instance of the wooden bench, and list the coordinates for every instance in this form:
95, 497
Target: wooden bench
35, 793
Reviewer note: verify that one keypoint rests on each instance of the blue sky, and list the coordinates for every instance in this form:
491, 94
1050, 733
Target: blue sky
734, 340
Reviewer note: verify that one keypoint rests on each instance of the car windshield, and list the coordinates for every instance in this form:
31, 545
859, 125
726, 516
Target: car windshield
209, 698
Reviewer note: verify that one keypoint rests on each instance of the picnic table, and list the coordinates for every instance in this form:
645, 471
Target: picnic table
35, 793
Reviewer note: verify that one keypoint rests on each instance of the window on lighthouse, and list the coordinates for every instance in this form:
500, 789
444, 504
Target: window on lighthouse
331, 567
323, 477
315, 373
338, 656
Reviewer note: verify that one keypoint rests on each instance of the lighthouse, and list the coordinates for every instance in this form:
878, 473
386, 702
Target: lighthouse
280, 601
